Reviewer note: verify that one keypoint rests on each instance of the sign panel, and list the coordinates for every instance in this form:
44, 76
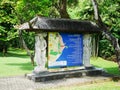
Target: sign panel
65, 50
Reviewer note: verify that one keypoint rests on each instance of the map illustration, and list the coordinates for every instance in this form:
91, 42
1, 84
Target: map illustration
64, 49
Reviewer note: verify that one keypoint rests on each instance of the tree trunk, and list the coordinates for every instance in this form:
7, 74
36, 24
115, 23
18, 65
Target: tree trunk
3, 47
62, 8
106, 32
26, 48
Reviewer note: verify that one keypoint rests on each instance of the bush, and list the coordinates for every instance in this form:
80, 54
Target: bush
105, 49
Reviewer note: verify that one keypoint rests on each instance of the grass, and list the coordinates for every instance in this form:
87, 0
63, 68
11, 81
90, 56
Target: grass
109, 66
15, 63
97, 86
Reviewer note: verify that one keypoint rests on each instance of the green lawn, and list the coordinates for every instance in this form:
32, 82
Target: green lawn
18, 63
109, 66
15, 63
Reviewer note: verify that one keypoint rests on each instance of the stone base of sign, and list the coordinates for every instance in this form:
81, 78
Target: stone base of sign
46, 76
89, 67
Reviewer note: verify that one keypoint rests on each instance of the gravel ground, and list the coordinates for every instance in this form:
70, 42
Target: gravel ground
22, 83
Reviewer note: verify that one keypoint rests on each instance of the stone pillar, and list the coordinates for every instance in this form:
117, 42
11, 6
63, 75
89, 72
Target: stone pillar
40, 52
87, 50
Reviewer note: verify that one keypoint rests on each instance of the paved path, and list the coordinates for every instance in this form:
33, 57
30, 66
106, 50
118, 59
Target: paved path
22, 83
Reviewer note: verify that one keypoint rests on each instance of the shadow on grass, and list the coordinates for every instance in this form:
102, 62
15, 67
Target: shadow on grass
19, 55
23, 66
15, 53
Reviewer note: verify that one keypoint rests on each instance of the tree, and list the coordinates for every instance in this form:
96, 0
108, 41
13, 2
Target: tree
61, 6
26, 10
7, 32
107, 33
110, 14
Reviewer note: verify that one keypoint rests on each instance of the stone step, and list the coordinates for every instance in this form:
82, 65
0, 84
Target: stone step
46, 76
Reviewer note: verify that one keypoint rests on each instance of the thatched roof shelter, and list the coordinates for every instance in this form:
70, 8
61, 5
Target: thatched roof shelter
59, 25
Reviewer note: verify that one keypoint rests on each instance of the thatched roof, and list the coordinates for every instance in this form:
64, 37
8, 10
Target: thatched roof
59, 25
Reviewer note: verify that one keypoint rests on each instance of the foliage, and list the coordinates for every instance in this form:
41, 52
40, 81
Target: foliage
82, 10
110, 13
7, 21
29, 39
27, 10
106, 48
17, 12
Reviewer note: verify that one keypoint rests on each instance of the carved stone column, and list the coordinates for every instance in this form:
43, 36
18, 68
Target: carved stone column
87, 50
40, 52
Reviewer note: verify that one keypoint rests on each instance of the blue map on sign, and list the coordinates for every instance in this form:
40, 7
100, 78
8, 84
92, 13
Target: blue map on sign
69, 50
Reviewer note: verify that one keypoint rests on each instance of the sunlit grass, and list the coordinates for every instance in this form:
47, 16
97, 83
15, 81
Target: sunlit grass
15, 63
110, 66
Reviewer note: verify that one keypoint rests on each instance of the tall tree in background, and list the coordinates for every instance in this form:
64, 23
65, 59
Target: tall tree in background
26, 10
7, 20
107, 33
61, 6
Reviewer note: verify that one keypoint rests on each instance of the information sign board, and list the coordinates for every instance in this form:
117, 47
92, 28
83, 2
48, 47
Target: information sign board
65, 49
